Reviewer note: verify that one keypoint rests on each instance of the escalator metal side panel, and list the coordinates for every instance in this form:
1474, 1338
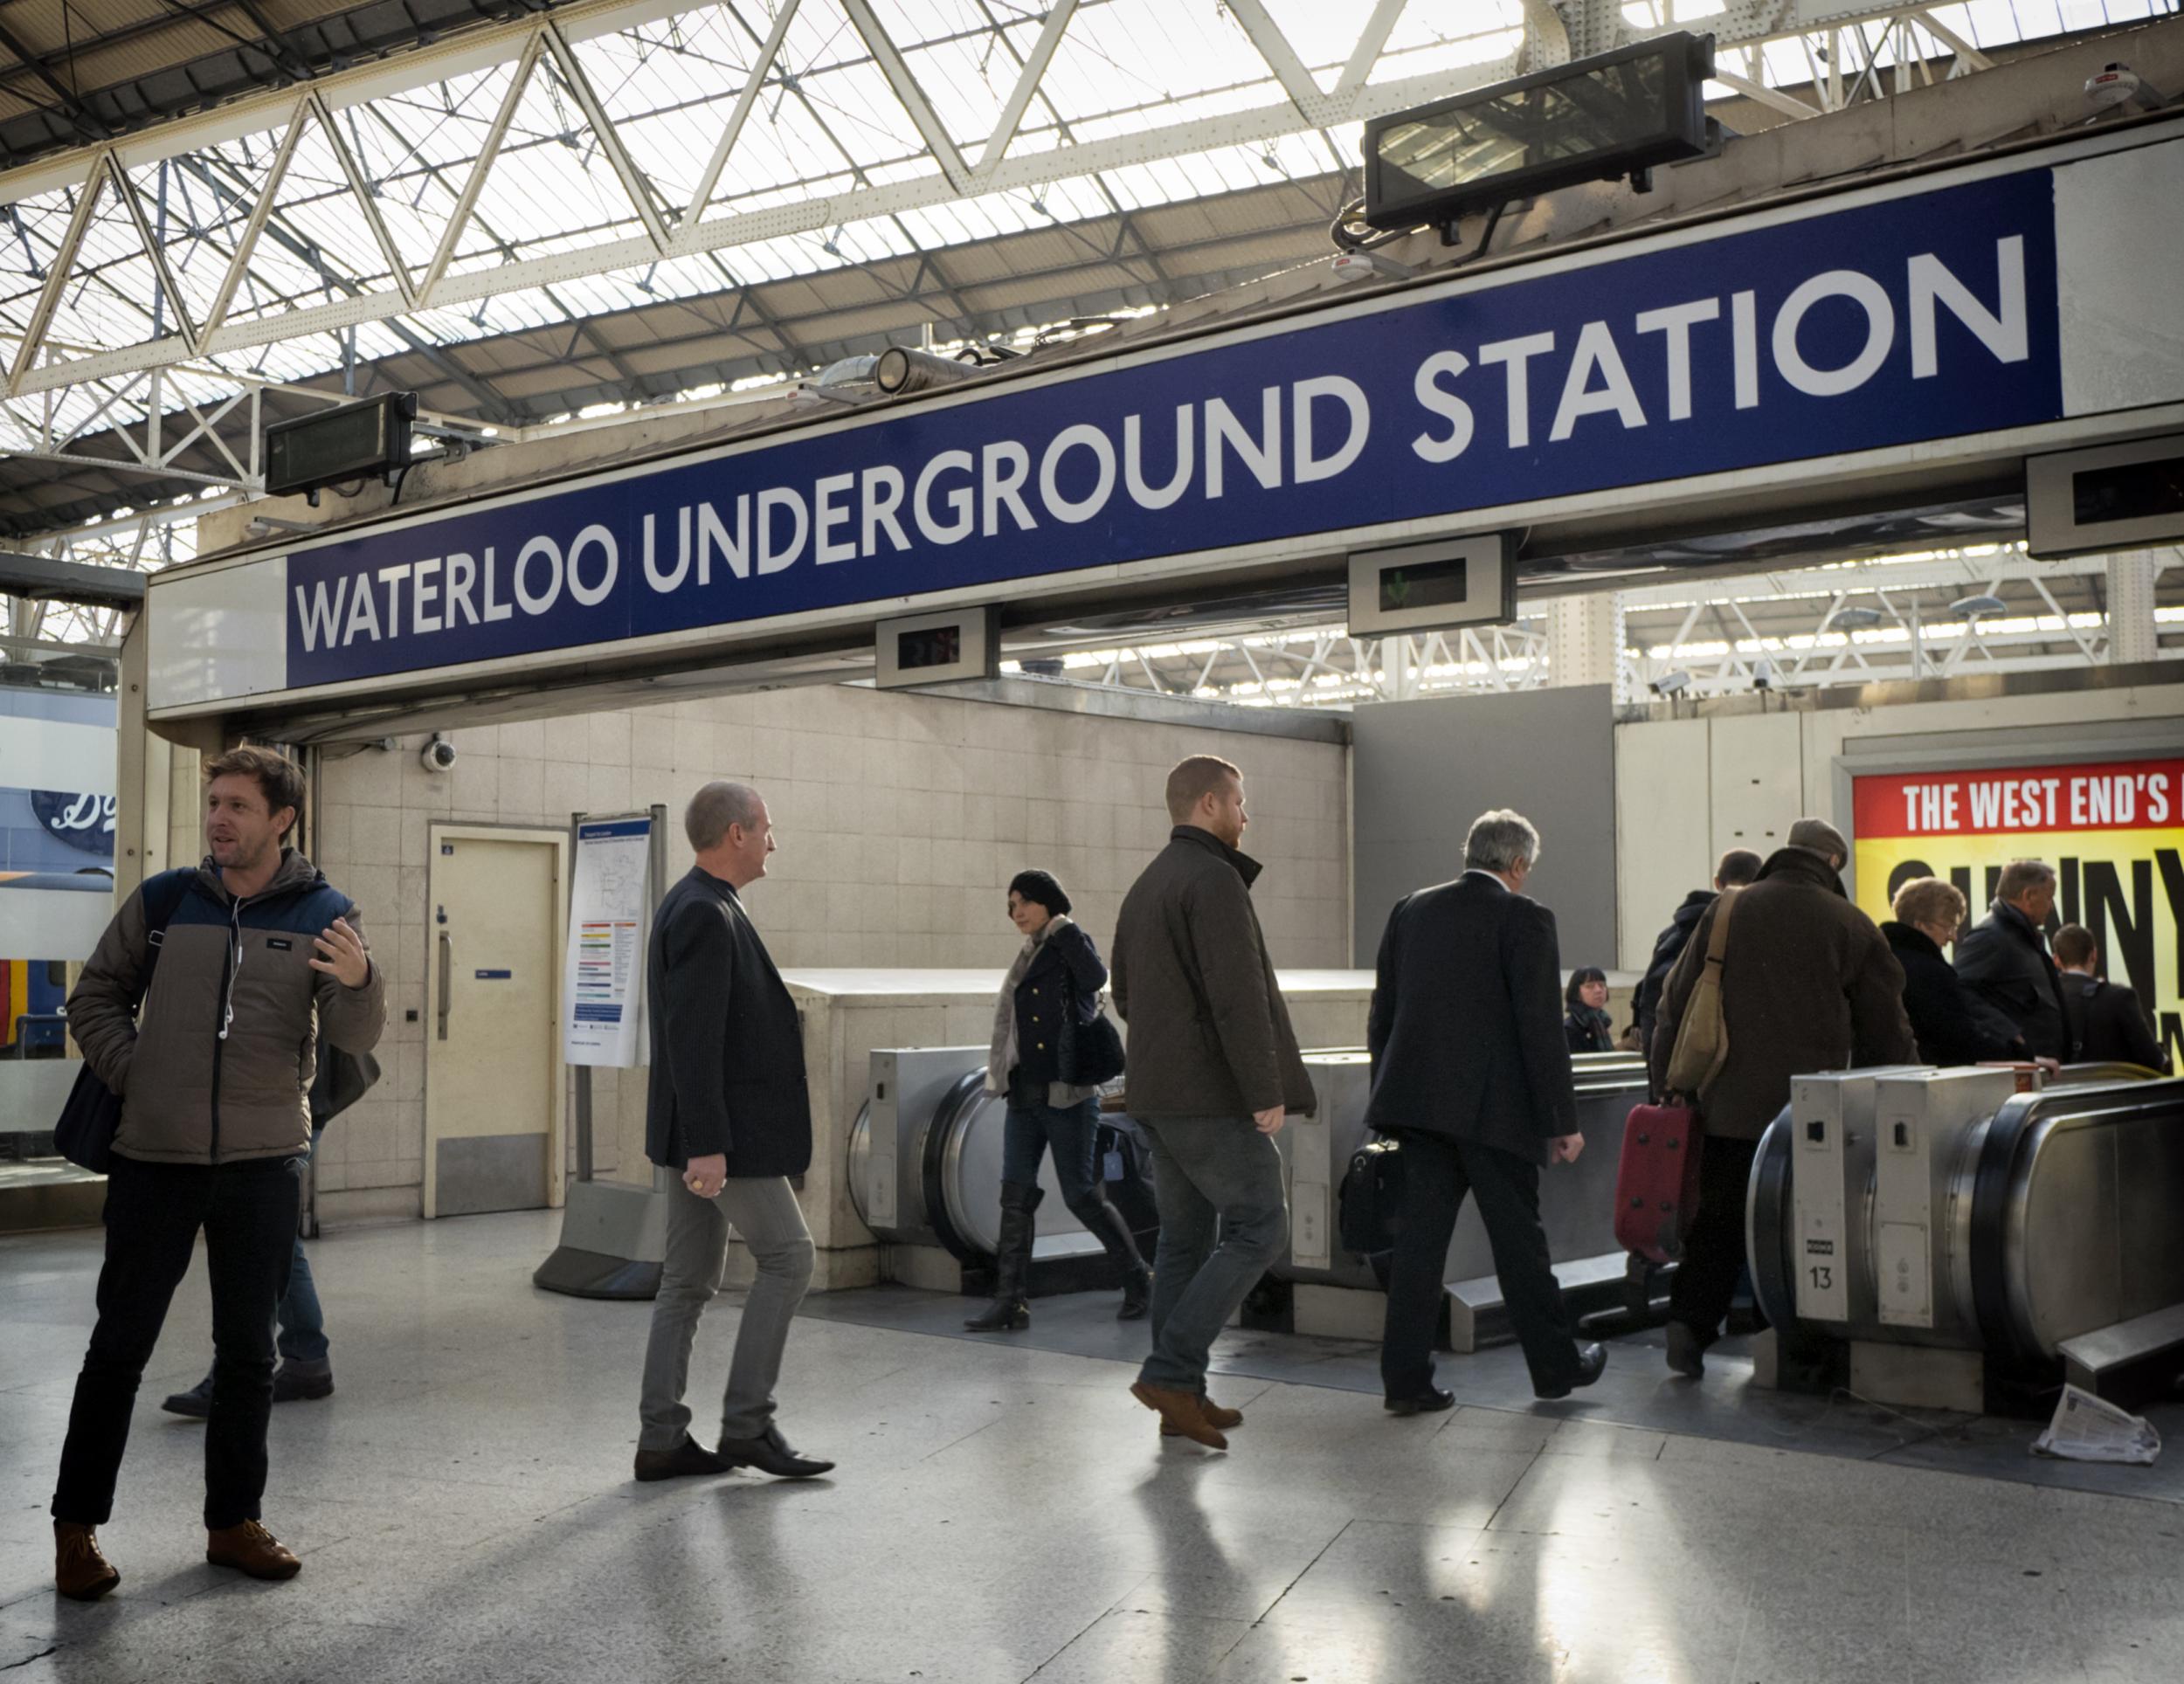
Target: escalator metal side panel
2021, 1286
934, 1167
859, 1164
2114, 1171
968, 1136
1770, 1223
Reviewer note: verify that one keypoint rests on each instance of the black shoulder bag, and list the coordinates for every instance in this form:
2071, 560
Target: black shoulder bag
1090, 1053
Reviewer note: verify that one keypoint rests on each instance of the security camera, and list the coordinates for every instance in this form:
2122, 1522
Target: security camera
1669, 683
438, 755
1763, 676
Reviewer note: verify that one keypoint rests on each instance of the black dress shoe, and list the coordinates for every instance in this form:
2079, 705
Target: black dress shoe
1687, 1351
770, 1454
1425, 1403
686, 1458
1592, 1359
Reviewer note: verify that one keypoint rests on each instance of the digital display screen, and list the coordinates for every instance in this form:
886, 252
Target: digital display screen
1613, 107
1603, 118
341, 439
935, 645
2134, 491
1426, 585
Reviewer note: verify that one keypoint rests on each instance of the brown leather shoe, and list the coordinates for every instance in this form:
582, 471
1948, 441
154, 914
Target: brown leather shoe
251, 1548
1217, 1418
82, 1573
1181, 1410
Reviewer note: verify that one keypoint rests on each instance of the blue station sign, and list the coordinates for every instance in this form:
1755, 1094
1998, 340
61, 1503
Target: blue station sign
1915, 318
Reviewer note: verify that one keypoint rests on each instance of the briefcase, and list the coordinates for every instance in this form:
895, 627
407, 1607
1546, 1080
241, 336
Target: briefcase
1371, 1198
1657, 1184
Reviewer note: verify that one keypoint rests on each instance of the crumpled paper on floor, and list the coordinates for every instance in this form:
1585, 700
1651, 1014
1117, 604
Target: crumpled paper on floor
2087, 1429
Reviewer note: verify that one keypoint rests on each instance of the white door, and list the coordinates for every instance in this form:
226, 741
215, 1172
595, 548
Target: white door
492, 1067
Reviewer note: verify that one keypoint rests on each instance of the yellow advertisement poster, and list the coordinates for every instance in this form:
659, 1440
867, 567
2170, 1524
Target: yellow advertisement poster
2114, 832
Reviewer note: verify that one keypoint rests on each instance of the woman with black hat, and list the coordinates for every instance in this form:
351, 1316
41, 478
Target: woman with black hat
1058, 973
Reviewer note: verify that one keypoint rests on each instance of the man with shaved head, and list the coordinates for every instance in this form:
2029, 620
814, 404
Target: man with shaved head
727, 1110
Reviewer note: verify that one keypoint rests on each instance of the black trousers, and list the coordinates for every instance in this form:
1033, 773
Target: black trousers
1713, 1256
153, 1212
1437, 1173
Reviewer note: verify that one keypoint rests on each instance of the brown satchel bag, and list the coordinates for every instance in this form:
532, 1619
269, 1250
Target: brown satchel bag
1701, 1038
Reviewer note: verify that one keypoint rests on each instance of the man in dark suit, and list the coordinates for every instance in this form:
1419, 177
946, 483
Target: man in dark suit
2107, 1024
728, 1109
1471, 1076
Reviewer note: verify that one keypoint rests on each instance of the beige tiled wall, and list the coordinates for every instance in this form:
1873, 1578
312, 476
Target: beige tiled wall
902, 819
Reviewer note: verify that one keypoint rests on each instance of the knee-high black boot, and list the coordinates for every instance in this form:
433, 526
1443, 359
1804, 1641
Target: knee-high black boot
1106, 1224
1009, 1311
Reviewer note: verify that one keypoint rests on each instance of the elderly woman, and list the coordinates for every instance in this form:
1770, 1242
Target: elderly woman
1586, 1027
1951, 1023
1057, 972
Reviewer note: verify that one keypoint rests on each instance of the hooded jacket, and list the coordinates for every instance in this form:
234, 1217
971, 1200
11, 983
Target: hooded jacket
215, 1064
1668, 948
1209, 1030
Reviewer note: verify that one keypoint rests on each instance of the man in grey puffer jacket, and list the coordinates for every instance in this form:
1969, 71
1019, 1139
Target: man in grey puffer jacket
239, 966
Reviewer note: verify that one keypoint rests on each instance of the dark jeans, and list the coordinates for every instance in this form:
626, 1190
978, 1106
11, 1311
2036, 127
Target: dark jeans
153, 1212
1208, 1171
302, 1322
1031, 1126
1714, 1249
1437, 1173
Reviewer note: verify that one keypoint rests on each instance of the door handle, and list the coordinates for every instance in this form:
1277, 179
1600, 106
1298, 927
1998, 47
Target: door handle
446, 978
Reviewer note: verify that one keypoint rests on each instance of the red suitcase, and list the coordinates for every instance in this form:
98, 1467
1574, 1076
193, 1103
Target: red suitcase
1656, 1185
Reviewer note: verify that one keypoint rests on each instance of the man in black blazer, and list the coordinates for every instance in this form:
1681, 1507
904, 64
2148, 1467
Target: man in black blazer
1471, 1074
2107, 1024
727, 1109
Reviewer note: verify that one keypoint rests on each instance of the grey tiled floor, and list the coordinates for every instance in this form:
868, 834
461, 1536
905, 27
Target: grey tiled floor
1005, 1512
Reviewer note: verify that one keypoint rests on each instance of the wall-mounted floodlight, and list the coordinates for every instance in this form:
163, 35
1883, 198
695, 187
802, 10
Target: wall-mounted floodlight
1977, 608
1847, 620
369, 440
1617, 114
903, 369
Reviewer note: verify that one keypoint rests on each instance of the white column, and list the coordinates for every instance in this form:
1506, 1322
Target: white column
1585, 642
2132, 635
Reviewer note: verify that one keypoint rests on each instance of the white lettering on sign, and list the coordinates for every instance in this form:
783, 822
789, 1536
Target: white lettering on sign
1737, 348
2083, 801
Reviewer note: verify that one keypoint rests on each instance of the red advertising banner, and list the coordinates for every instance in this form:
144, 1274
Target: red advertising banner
2026, 800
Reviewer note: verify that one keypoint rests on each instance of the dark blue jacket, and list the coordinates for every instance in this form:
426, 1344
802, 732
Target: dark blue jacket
1066, 973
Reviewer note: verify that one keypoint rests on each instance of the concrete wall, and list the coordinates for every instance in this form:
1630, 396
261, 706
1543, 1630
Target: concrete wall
901, 817
1426, 768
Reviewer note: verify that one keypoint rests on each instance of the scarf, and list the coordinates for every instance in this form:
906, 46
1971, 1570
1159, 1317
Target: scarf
1000, 1057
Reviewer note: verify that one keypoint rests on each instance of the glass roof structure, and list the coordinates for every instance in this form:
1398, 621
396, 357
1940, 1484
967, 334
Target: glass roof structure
607, 203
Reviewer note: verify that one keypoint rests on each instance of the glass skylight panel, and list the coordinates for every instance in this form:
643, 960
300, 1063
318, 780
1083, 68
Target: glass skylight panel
968, 81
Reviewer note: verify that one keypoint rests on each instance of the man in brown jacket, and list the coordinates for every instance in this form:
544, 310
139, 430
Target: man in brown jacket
1807, 984
1213, 1066
198, 1009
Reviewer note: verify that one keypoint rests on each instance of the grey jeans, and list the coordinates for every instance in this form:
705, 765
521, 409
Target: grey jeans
763, 1211
1208, 1170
